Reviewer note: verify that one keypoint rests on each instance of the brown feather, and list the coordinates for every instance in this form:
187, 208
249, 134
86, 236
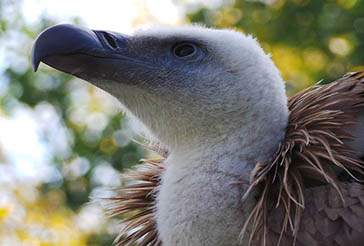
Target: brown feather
301, 200
139, 199
325, 221
309, 156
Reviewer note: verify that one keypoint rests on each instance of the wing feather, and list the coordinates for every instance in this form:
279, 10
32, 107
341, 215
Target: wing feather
316, 151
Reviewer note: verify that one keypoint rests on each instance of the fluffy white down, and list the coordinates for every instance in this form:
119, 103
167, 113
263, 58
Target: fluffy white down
218, 118
198, 204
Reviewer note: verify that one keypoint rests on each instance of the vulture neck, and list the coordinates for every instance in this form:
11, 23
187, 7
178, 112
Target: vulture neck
197, 195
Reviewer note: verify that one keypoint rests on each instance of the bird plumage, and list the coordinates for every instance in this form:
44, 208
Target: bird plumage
236, 150
301, 198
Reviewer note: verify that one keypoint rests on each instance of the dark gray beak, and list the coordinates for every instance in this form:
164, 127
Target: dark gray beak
84, 53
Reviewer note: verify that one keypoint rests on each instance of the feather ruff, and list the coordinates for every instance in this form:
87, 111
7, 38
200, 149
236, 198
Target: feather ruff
310, 155
136, 202
312, 150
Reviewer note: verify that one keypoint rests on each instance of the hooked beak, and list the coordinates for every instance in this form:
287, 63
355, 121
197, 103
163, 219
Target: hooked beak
88, 54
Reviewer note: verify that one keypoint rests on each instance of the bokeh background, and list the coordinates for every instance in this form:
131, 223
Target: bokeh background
63, 141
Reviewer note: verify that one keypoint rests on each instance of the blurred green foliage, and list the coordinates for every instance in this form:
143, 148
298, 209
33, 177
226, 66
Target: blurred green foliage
93, 146
309, 40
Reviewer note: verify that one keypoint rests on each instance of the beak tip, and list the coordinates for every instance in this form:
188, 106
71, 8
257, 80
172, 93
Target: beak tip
35, 60
35, 67
62, 39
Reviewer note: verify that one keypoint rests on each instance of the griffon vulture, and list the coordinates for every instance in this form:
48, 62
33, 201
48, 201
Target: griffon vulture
244, 166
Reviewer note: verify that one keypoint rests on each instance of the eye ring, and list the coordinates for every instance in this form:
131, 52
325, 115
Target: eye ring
184, 50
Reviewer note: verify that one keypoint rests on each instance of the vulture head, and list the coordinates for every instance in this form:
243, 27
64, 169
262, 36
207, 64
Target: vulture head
188, 85
216, 101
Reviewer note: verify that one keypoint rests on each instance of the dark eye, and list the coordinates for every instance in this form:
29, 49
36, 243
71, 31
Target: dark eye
184, 50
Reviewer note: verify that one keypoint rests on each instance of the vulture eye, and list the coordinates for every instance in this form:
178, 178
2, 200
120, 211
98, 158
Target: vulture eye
184, 50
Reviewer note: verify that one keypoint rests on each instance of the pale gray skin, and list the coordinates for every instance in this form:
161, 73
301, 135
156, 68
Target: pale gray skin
219, 111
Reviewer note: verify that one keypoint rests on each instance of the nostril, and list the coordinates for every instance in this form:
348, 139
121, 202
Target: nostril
110, 40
